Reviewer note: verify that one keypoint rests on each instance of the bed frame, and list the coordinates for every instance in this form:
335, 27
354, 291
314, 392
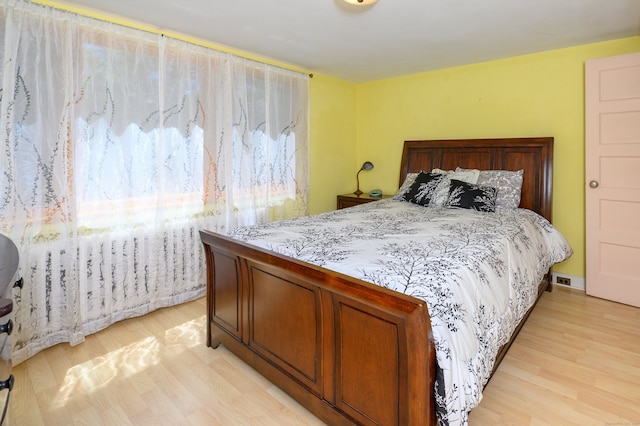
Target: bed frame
349, 351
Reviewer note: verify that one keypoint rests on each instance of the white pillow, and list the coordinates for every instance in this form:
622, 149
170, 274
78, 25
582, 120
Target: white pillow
441, 193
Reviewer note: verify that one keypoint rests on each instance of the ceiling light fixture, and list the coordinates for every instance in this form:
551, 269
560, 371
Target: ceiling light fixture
361, 2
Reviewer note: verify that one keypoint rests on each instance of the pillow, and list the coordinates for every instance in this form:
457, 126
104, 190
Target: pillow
466, 195
408, 181
422, 189
508, 184
442, 191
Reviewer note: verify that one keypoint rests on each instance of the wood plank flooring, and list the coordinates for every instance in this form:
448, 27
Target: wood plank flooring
576, 361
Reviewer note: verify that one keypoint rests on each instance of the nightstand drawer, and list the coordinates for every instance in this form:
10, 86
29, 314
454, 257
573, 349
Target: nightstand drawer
350, 200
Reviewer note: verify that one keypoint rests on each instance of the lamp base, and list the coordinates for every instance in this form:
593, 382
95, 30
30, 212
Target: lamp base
358, 193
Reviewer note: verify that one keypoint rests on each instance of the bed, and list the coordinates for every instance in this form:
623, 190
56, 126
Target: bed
350, 351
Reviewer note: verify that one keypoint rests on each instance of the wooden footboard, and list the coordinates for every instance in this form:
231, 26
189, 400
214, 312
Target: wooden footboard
349, 351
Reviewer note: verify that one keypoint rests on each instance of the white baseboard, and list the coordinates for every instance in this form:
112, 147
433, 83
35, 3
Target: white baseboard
577, 283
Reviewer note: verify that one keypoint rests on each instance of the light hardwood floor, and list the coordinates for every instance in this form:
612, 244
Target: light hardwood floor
576, 361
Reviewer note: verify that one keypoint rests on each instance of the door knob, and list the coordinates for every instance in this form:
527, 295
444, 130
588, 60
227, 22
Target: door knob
593, 184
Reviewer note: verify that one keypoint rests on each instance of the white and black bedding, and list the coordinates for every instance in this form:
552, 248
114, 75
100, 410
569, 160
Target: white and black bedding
478, 272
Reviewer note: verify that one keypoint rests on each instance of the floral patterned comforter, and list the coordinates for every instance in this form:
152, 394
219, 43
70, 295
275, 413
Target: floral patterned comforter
478, 273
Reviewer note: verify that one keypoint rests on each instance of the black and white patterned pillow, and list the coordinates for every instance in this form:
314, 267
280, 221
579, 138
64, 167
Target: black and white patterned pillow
404, 188
466, 195
423, 188
507, 182
442, 191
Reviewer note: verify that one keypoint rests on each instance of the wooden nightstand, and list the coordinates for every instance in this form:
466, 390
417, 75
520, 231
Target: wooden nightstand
350, 200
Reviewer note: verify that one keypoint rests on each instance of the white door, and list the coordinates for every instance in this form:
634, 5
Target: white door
612, 101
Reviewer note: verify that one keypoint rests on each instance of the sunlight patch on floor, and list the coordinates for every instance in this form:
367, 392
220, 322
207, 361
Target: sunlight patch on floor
189, 334
99, 372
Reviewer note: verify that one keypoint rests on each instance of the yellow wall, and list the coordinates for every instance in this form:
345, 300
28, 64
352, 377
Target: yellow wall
534, 95
332, 139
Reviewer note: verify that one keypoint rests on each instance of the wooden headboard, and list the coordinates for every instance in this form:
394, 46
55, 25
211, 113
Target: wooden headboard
533, 155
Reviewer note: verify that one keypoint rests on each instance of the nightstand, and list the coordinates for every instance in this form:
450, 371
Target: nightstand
350, 200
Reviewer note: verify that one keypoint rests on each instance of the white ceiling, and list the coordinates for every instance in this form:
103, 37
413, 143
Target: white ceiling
388, 39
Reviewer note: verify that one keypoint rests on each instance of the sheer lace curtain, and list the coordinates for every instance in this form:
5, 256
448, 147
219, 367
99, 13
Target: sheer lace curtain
118, 147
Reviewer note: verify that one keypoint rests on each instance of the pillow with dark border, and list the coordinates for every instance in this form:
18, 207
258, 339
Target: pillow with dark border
422, 189
470, 196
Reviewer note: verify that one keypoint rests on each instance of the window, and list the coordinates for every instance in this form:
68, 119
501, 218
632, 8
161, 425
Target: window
118, 146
